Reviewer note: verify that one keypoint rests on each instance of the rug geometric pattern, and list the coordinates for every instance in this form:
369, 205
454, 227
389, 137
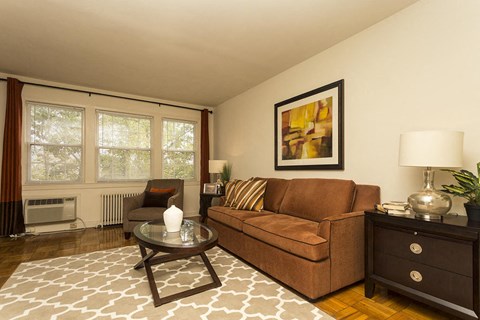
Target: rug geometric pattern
104, 285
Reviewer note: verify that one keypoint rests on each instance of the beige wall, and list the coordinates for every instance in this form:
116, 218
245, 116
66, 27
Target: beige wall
89, 192
417, 70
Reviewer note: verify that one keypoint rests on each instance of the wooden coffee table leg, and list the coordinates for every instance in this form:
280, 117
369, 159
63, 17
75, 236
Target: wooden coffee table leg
157, 300
151, 282
212, 272
145, 256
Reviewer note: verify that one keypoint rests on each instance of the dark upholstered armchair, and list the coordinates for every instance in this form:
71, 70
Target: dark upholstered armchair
159, 195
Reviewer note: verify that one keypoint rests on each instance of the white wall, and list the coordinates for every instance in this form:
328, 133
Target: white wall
88, 193
416, 70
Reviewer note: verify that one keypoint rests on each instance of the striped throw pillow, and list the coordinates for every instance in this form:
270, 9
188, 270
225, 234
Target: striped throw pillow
239, 187
230, 193
250, 196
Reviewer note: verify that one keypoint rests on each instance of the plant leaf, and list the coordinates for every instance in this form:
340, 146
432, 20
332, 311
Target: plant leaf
465, 174
478, 171
469, 181
449, 170
455, 190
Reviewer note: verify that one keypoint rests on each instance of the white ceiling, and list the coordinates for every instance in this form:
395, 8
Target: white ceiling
196, 51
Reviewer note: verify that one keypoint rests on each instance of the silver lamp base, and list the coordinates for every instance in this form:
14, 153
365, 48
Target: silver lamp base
428, 217
429, 204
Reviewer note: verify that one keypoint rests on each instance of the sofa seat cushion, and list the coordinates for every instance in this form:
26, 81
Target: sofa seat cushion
232, 217
295, 235
146, 214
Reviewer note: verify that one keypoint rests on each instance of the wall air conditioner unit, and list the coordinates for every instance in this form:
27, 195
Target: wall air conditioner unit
50, 210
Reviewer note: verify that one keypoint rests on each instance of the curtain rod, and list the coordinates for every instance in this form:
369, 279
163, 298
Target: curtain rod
108, 95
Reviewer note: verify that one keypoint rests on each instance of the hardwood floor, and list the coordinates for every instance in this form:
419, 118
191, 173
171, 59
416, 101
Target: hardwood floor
15, 251
348, 303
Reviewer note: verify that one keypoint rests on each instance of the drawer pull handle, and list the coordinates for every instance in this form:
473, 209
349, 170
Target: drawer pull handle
416, 276
416, 248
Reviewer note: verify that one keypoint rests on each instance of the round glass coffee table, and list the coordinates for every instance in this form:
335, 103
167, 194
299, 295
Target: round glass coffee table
154, 236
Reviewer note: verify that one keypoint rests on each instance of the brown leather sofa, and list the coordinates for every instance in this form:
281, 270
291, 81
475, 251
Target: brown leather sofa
310, 235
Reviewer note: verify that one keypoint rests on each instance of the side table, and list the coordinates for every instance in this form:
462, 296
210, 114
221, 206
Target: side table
434, 262
205, 203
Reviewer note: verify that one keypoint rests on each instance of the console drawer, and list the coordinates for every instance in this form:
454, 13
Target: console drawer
442, 284
426, 249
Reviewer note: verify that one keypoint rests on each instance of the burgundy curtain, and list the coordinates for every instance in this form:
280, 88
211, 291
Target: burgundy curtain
11, 212
204, 150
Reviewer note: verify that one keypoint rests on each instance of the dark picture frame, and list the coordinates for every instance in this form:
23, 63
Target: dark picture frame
309, 130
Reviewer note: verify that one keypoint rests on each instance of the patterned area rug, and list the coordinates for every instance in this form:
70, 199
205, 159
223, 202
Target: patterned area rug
104, 285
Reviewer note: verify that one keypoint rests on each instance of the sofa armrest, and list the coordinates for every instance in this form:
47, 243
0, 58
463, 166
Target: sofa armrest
129, 204
345, 234
132, 203
222, 200
325, 226
174, 200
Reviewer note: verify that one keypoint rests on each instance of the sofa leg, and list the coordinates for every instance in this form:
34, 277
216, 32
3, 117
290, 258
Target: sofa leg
127, 235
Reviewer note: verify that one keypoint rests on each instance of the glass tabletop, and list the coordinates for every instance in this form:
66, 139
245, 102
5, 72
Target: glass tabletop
155, 232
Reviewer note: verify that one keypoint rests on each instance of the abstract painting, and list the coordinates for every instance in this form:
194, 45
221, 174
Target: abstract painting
309, 130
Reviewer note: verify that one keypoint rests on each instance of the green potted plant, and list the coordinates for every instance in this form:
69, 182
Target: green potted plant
469, 188
226, 173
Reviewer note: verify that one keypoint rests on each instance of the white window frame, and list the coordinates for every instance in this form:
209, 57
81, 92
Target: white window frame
195, 146
28, 127
98, 147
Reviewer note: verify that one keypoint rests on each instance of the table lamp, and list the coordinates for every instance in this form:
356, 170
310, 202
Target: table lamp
429, 149
216, 167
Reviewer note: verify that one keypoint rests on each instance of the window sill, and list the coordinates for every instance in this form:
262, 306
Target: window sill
93, 185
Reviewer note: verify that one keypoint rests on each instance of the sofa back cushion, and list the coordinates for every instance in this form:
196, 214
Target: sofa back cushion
177, 184
316, 199
156, 199
366, 196
274, 193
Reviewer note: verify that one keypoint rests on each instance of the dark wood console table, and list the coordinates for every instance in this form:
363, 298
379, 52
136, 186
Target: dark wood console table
205, 203
434, 262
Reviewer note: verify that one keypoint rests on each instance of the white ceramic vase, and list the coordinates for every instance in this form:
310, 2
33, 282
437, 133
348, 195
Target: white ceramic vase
173, 217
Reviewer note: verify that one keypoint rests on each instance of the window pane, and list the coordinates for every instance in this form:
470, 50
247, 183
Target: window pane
178, 165
178, 136
55, 125
55, 142
122, 131
55, 163
123, 164
124, 147
178, 144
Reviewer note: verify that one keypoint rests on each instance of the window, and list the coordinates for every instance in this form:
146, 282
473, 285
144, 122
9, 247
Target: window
55, 143
178, 149
123, 146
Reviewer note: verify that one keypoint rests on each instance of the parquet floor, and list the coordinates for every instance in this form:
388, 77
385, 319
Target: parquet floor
348, 303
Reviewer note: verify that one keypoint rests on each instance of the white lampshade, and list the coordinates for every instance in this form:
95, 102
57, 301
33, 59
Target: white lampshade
216, 166
431, 149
